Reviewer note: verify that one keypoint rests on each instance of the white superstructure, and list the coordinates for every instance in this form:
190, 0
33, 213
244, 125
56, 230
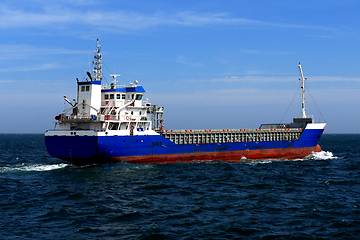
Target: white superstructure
114, 109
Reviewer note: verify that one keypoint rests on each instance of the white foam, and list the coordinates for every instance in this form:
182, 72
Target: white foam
262, 161
33, 167
42, 168
323, 155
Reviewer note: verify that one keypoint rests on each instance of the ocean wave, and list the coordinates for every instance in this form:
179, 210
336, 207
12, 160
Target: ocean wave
32, 167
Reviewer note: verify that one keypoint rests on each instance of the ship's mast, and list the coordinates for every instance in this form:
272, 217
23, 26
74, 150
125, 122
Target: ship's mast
98, 63
303, 92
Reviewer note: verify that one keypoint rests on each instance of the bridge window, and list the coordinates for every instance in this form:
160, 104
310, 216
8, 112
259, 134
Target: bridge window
117, 96
111, 96
83, 88
106, 96
123, 126
123, 96
87, 88
113, 126
139, 97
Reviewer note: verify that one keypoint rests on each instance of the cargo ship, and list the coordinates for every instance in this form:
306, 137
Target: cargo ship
114, 123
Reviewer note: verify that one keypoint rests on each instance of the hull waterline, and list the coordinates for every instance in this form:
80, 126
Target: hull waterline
231, 156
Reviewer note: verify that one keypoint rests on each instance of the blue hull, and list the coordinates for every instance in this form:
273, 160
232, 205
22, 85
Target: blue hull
156, 148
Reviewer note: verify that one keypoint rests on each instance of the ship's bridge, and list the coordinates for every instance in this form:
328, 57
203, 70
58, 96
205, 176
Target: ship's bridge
118, 97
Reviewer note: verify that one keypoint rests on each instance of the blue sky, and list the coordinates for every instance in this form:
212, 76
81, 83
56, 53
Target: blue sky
211, 64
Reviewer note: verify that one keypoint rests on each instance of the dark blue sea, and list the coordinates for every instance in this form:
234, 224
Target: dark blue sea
45, 198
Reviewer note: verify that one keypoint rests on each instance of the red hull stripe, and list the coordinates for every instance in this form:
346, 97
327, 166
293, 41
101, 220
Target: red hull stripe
230, 156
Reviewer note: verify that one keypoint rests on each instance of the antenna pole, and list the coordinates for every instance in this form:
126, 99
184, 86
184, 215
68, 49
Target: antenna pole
303, 92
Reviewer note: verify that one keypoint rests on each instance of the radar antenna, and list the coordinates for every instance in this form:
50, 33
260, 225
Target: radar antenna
114, 76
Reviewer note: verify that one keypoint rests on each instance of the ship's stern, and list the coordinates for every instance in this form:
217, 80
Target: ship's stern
76, 147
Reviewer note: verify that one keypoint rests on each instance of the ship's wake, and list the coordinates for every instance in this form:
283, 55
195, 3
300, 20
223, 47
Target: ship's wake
32, 167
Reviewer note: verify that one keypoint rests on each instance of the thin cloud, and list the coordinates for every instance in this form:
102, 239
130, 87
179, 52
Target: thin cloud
17, 18
123, 20
120, 19
285, 79
266, 79
183, 60
253, 79
46, 66
335, 79
257, 52
21, 51
8, 81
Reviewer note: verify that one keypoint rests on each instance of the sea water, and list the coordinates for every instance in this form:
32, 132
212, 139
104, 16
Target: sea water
46, 198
